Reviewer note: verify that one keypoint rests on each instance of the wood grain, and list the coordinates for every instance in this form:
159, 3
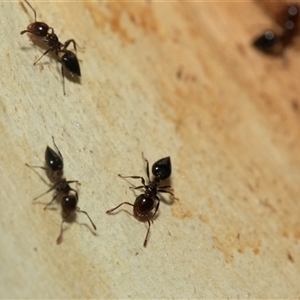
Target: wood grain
165, 78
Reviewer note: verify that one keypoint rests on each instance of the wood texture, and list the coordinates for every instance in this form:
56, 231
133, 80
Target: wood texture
165, 78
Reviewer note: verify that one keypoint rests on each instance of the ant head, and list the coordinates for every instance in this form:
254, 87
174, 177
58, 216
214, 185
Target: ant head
38, 29
142, 206
162, 168
266, 42
53, 160
70, 62
68, 204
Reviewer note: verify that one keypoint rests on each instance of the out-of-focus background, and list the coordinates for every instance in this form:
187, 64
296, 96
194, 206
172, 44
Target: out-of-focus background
167, 79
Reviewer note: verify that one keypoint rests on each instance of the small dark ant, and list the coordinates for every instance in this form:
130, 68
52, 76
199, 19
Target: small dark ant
145, 203
46, 34
54, 170
274, 44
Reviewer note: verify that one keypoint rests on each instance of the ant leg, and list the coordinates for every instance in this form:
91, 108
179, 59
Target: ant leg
68, 42
63, 76
50, 201
58, 240
42, 56
77, 209
146, 238
72, 181
169, 192
75, 45
112, 209
53, 187
76, 193
165, 191
57, 148
157, 206
138, 187
134, 177
39, 167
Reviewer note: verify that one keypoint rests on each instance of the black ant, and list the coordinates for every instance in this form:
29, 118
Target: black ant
145, 203
46, 34
54, 170
273, 43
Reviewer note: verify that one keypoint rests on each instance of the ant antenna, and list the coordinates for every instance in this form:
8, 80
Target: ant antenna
32, 10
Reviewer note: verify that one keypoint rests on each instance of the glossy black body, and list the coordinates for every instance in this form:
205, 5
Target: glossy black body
70, 62
64, 193
146, 204
46, 34
69, 204
266, 42
39, 29
274, 43
53, 160
162, 169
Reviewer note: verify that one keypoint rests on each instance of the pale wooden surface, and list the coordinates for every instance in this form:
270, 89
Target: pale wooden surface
176, 79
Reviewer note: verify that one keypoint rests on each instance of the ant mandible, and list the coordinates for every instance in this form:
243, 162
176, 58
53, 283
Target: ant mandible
46, 34
273, 43
54, 170
149, 200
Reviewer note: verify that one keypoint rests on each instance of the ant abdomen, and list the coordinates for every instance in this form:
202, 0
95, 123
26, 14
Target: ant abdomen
162, 169
70, 62
53, 160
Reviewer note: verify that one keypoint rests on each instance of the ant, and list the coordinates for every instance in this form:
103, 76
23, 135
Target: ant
149, 200
46, 34
273, 43
54, 170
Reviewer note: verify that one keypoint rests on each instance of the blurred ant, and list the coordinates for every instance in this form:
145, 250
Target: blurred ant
54, 170
46, 34
273, 43
149, 200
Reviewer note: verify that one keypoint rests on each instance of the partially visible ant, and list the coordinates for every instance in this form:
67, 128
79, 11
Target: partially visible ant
68, 200
46, 34
149, 200
274, 44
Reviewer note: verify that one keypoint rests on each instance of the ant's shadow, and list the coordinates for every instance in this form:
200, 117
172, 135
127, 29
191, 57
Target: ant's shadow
171, 199
50, 207
88, 227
